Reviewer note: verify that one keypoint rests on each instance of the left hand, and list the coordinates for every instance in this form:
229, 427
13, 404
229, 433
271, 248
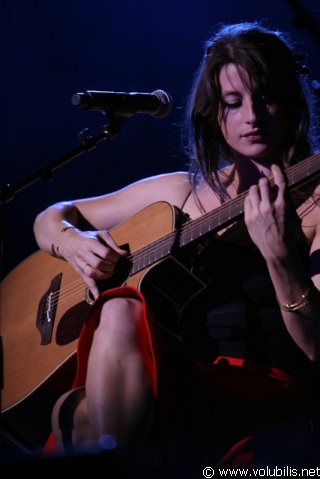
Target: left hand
269, 217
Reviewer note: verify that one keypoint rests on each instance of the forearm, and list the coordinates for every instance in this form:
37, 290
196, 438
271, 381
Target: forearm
50, 224
299, 300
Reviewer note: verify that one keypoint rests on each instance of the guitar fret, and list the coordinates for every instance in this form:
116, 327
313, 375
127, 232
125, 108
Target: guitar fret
150, 254
63, 308
215, 220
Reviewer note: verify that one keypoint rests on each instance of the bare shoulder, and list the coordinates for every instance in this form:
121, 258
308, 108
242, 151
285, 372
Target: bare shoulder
170, 187
309, 213
178, 177
112, 208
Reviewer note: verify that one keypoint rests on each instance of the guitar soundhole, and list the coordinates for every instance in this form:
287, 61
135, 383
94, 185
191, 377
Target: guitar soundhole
71, 323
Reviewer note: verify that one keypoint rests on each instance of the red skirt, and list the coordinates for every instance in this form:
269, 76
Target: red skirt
236, 412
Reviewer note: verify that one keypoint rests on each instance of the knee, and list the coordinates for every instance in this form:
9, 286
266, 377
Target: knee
120, 316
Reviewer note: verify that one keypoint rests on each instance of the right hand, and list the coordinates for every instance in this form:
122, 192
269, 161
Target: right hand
92, 254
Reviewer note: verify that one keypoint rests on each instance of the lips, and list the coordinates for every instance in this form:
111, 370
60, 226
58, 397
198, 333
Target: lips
254, 135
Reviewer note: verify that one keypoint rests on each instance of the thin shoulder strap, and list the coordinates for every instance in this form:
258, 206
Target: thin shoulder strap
185, 200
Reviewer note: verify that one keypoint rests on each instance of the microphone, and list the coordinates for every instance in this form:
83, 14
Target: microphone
157, 104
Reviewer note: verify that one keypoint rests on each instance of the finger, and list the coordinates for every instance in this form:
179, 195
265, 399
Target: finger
105, 266
279, 178
107, 239
86, 270
253, 197
265, 190
93, 289
98, 268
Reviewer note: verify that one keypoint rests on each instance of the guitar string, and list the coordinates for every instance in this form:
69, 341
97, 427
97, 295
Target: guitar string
200, 226
163, 244
65, 294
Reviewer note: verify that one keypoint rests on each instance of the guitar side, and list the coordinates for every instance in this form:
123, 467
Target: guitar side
33, 352
27, 363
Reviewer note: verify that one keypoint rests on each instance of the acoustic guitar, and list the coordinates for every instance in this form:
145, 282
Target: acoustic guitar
44, 302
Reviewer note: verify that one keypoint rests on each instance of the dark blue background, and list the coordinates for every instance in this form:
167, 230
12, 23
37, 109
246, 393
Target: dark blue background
53, 49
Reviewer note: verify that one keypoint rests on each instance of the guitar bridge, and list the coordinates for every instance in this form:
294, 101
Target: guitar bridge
47, 310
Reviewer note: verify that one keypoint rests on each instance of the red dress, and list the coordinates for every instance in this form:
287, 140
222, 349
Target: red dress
234, 413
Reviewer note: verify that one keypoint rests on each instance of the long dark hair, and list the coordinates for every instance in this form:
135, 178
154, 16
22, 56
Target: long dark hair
274, 68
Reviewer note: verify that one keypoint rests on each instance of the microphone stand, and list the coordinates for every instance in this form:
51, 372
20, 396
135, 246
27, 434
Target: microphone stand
7, 193
88, 143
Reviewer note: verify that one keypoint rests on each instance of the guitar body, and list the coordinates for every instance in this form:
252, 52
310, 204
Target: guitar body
44, 302
26, 362
38, 339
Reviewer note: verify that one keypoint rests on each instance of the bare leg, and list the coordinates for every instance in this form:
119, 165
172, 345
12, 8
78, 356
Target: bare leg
70, 409
117, 401
118, 390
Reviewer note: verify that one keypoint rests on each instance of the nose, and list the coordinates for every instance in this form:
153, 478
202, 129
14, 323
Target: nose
252, 111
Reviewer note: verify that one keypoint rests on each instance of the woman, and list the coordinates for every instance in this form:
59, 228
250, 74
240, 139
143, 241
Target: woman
227, 377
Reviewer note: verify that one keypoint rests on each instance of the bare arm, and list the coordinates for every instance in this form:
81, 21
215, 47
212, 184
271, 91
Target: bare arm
271, 227
88, 246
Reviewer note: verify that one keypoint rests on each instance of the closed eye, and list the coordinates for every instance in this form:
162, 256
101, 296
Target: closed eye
232, 106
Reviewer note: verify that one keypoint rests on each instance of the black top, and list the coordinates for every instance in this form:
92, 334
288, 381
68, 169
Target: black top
237, 314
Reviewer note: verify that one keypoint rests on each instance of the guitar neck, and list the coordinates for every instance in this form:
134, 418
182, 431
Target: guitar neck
215, 220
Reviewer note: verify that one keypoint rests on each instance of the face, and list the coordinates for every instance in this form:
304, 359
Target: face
251, 126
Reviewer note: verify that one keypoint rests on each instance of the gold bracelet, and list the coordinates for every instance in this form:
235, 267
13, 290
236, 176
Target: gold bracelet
295, 306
